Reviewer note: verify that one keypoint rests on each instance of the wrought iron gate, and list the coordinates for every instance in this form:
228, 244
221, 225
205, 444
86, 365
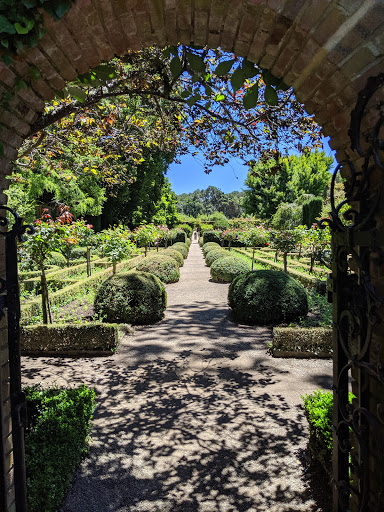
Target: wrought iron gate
357, 260
10, 301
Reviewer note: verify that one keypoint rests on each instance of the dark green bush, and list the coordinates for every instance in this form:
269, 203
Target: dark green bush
164, 266
131, 297
55, 441
179, 236
57, 258
318, 408
212, 236
311, 210
224, 270
186, 228
175, 254
208, 246
263, 297
182, 248
78, 252
214, 255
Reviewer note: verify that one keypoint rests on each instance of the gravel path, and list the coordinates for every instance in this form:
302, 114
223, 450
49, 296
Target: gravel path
193, 414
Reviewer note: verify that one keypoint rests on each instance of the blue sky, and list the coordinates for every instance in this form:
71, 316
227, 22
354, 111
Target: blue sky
189, 175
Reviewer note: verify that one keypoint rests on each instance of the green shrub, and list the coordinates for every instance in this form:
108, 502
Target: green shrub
211, 236
69, 339
208, 246
178, 235
163, 266
311, 210
55, 441
318, 408
57, 258
186, 228
314, 342
78, 252
265, 297
175, 254
188, 242
224, 270
214, 255
131, 297
182, 248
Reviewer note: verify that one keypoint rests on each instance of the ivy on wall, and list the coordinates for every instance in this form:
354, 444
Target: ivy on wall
21, 23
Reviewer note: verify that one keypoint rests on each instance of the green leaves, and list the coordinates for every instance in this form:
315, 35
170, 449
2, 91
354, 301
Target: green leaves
196, 62
27, 27
175, 66
270, 96
224, 67
237, 79
78, 94
251, 97
5, 26
249, 69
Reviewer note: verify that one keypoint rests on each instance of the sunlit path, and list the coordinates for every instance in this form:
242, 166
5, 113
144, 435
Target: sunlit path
193, 414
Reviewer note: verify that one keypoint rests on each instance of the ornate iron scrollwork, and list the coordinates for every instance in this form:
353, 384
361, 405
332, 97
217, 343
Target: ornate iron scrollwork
10, 300
357, 245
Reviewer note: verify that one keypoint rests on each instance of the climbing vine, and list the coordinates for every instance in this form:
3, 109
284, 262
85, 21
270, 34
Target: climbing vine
21, 23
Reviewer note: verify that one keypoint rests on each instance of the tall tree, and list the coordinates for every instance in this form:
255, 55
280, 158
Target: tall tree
285, 181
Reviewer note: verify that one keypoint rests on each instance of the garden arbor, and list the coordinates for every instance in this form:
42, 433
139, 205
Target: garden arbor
329, 51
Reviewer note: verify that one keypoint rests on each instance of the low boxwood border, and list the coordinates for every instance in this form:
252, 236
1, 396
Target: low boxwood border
308, 281
32, 308
74, 340
302, 342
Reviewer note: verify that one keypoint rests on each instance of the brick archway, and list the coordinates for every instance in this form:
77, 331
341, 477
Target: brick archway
325, 49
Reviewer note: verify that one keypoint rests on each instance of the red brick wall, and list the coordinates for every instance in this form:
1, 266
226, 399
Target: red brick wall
326, 49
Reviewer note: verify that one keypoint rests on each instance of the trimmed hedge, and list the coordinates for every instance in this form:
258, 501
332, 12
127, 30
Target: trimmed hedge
212, 236
69, 339
161, 265
302, 342
263, 297
131, 297
305, 279
180, 236
55, 441
182, 248
176, 255
209, 246
32, 308
214, 255
57, 259
225, 269
318, 408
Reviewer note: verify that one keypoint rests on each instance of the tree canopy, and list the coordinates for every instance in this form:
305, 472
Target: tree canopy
208, 201
296, 178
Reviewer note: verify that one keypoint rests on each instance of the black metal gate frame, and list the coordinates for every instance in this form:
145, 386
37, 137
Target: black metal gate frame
10, 305
356, 244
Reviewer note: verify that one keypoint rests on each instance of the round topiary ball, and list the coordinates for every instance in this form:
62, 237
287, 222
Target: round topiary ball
208, 246
264, 297
163, 266
56, 258
78, 252
224, 270
176, 255
182, 248
131, 297
214, 255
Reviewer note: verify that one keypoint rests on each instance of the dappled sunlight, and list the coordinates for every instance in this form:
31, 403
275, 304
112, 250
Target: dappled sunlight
193, 413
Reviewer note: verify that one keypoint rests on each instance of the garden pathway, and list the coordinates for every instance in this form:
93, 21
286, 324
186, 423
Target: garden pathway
193, 414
